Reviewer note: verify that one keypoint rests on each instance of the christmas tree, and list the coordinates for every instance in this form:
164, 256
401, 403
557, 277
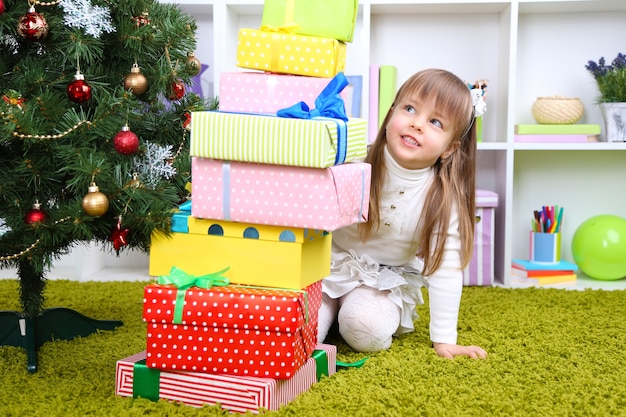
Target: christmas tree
93, 128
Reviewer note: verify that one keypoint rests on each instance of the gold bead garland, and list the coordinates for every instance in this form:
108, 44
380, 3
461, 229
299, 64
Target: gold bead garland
31, 247
58, 136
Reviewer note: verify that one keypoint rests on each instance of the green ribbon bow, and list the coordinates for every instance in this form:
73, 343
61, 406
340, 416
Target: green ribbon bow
183, 281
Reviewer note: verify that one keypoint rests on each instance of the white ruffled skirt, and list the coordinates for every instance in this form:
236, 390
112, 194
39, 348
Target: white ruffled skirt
403, 283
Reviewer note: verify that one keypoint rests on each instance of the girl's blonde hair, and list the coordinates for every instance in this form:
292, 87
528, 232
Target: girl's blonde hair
454, 184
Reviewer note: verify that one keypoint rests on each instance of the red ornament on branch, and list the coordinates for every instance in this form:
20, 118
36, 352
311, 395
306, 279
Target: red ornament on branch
141, 20
186, 120
78, 90
1, 6
177, 90
119, 235
35, 215
32, 26
125, 141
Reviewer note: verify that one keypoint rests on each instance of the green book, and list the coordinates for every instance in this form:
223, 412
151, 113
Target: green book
386, 90
546, 129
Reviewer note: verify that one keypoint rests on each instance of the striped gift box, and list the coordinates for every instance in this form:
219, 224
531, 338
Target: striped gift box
234, 393
268, 139
480, 271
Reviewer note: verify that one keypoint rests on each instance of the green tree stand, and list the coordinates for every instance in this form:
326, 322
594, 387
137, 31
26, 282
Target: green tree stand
20, 330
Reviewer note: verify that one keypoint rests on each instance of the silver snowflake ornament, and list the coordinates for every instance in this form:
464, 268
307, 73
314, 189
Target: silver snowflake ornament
82, 14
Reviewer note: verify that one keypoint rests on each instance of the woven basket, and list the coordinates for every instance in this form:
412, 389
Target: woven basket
557, 110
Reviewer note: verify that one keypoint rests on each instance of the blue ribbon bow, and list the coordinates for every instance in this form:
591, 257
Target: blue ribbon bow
328, 104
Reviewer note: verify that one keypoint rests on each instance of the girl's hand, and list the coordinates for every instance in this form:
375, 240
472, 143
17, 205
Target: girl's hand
449, 351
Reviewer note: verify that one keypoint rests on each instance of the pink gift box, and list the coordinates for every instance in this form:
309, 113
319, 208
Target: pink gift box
234, 393
480, 271
259, 92
278, 195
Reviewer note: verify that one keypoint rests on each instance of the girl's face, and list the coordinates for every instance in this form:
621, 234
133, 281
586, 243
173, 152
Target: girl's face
418, 134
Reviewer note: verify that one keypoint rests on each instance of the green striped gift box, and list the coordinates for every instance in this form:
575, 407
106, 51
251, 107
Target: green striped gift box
268, 139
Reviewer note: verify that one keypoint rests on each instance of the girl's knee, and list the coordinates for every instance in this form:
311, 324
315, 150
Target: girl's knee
368, 319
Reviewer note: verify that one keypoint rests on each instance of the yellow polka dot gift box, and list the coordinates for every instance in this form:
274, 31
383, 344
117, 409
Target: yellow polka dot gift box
268, 256
278, 195
269, 139
289, 53
234, 393
229, 329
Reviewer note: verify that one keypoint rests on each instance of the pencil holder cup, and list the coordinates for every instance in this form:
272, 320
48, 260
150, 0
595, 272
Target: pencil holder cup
545, 247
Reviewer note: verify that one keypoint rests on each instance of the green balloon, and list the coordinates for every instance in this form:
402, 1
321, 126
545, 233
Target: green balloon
599, 247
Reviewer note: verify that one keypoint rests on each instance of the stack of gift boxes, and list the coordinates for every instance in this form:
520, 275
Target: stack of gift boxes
233, 317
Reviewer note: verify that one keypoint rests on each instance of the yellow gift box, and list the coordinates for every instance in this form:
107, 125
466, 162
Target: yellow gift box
289, 53
260, 255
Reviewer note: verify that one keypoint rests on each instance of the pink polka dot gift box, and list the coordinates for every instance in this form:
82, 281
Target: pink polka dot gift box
261, 92
234, 393
278, 195
269, 139
234, 330
268, 256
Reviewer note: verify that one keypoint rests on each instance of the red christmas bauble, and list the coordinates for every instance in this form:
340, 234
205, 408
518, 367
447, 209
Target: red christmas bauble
1, 6
177, 90
126, 142
35, 215
78, 90
32, 26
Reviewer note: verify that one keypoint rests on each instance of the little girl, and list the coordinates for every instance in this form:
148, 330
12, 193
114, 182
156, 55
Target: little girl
421, 223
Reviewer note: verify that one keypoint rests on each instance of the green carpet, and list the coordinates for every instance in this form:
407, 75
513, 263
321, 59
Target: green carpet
551, 353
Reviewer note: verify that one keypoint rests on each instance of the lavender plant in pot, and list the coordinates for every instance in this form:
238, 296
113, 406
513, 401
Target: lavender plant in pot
611, 80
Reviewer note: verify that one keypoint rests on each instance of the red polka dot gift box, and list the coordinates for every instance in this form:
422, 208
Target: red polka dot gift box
267, 256
234, 393
231, 329
278, 195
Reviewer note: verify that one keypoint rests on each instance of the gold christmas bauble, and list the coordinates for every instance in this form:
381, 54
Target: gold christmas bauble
95, 203
136, 82
194, 64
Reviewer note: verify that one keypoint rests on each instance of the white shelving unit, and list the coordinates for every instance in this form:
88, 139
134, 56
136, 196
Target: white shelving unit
526, 49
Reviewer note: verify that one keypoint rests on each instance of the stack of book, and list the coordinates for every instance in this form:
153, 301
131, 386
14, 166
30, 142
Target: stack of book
557, 133
525, 272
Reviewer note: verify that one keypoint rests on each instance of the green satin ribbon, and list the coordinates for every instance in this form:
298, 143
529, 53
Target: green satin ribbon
356, 364
146, 381
183, 281
321, 363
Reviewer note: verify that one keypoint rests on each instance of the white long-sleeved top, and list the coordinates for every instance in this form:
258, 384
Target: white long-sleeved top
394, 244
